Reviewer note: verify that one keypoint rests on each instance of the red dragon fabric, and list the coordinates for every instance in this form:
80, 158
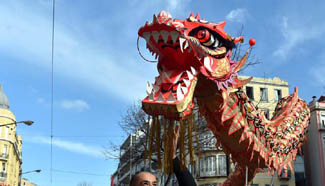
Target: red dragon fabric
194, 62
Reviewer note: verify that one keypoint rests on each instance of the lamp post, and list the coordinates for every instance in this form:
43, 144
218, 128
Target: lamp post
37, 170
20, 173
27, 122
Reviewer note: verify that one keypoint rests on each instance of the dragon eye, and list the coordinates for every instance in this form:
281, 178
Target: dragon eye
206, 38
203, 35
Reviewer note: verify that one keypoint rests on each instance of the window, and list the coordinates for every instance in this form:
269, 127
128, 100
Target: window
4, 152
322, 120
6, 132
263, 93
277, 95
250, 92
215, 165
222, 165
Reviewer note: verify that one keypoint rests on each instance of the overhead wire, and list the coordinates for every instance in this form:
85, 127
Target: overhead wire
52, 88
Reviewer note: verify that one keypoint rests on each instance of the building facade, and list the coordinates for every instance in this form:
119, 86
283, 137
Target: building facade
10, 145
315, 147
26, 182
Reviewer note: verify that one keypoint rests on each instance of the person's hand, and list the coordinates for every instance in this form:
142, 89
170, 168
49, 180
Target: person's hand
175, 140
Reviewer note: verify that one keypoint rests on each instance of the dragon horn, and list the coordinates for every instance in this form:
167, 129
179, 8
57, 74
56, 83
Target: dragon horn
222, 24
197, 16
191, 15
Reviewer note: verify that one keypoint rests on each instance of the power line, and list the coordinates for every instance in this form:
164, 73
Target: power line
52, 87
76, 172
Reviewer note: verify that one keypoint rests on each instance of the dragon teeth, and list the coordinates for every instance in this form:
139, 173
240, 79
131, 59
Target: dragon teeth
160, 98
171, 98
177, 77
181, 41
164, 35
155, 35
174, 36
190, 75
186, 44
149, 88
179, 94
207, 63
165, 77
193, 71
187, 82
155, 88
146, 36
184, 90
151, 97
158, 80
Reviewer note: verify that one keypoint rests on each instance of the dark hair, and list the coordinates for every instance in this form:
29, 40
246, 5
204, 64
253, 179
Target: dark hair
134, 176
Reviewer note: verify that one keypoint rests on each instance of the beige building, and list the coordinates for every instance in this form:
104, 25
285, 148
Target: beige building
214, 166
26, 182
10, 145
315, 145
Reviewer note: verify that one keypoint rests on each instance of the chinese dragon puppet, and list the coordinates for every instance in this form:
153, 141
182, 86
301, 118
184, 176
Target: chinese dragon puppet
195, 62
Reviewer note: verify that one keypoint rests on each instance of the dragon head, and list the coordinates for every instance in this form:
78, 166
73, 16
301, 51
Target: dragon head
185, 49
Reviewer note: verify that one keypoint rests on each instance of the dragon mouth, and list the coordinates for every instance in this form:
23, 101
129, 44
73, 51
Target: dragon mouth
172, 92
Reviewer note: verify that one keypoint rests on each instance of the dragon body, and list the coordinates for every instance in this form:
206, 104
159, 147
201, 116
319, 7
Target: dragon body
194, 61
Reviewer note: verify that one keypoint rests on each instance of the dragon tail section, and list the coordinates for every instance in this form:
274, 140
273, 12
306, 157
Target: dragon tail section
285, 133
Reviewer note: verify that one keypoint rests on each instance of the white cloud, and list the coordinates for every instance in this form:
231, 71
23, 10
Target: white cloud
78, 105
75, 147
25, 34
237, 15
295, 36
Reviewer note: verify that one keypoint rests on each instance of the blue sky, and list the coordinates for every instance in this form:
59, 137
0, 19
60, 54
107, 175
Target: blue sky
98, 72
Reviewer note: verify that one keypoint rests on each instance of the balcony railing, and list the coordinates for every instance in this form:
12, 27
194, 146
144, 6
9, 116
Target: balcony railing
4, 156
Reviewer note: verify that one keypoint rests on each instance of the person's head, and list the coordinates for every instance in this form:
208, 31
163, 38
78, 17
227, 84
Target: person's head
143, 178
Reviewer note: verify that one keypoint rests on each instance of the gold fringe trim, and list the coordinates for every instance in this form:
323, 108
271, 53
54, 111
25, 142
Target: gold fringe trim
165, 147
146, 142
158, 150
170, 145
182, 145
153, 140
152, 133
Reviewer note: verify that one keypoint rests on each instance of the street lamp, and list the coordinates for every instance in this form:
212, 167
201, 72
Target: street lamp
38, 171
27, 122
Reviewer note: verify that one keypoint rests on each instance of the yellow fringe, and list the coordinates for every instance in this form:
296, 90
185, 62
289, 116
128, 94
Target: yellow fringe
152, 133
165, 147
182, 145
170, 145
146, 144
158, 142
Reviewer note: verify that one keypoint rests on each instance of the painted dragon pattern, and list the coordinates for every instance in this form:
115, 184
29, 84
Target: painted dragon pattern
194, 61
